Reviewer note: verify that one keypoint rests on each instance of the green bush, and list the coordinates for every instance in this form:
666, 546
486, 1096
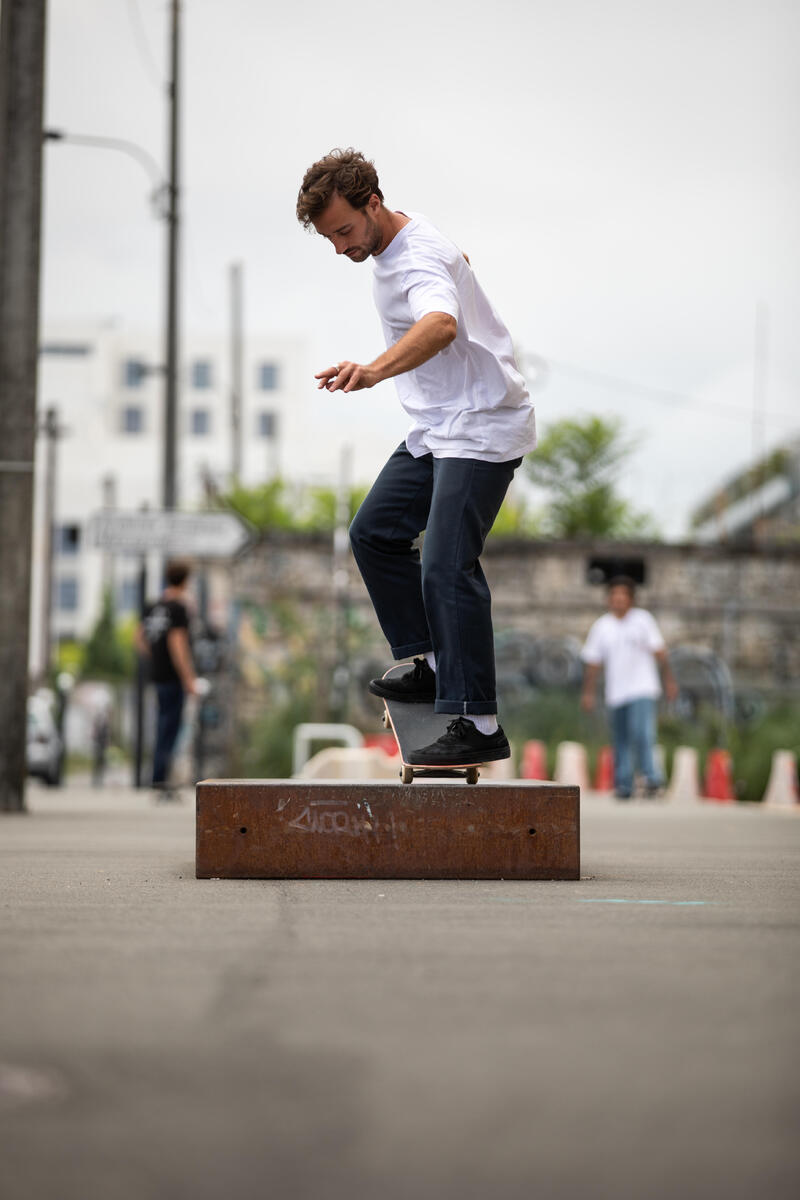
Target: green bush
552, 717
751, 744
556, 716
264, 747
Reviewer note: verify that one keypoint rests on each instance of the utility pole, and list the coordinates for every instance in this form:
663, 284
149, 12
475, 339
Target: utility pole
236, 372
52, 431
169, 484
758, 439
22, 54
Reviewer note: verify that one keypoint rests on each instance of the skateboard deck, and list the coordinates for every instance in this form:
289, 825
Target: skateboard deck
415, 725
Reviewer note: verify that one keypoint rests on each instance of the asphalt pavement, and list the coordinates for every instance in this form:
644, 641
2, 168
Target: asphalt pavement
634, 1034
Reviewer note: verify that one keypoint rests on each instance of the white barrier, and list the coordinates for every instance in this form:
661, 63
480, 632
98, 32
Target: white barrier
305, 734
370, 762
572, 768
502, 769
349, 762
782, 790
684, 786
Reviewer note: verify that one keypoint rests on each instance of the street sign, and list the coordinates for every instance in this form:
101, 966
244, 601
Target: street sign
191, 535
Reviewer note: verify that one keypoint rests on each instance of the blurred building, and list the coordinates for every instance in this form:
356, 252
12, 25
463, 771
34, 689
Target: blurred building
107, 389
761, 503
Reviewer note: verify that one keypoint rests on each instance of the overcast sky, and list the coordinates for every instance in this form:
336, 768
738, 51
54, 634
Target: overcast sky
624, 175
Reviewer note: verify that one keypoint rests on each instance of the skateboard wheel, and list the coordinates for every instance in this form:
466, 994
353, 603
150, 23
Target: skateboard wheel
407, 774
473, 774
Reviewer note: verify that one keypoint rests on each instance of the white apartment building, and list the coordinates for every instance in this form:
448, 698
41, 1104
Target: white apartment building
107, 389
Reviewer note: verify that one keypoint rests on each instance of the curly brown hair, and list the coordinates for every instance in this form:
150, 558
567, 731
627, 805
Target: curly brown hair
347, 172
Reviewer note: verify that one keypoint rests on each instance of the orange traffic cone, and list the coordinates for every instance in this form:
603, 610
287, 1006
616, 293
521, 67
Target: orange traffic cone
534, 761
604, 770
719, 777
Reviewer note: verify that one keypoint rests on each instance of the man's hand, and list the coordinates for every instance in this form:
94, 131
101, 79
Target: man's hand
347, 377
426, 337
589, 689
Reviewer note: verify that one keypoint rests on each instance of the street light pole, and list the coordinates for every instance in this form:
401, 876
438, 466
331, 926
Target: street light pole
169, 484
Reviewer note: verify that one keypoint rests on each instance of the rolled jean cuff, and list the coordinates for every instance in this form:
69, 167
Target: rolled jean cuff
412, 648
475, 708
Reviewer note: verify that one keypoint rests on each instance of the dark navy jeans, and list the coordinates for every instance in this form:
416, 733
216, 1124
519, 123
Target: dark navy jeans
438, 600
168, 724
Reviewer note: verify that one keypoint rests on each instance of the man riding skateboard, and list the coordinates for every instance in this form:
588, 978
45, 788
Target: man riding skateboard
472, 421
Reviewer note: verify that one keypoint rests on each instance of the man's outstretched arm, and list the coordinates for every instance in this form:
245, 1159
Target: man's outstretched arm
425, 338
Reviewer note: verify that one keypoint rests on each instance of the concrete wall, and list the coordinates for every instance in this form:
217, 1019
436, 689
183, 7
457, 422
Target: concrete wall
741, 604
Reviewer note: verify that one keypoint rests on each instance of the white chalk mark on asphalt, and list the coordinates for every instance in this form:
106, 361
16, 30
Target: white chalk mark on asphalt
608, 900
27, 1085
673, 903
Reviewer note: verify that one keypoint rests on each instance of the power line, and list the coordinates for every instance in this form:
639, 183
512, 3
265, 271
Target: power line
661, 395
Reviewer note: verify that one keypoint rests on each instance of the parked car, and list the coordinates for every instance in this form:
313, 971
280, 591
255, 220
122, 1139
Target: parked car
45, 749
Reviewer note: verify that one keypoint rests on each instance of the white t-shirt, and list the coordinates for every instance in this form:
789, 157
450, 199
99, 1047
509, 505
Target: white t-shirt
625, 646
469, 400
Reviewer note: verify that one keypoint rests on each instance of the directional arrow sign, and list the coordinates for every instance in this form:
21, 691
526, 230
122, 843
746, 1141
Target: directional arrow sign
195, 535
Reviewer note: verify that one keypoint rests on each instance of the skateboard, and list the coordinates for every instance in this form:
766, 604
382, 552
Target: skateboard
417, 725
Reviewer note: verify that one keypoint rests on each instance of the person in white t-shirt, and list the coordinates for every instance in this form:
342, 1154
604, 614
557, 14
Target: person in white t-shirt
471, 422
628, 644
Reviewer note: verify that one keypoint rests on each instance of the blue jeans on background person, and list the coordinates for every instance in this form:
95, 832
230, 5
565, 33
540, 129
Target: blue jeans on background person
633, 729
170, 710
438, 601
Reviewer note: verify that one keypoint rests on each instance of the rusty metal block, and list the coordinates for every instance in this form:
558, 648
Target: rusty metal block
318, 829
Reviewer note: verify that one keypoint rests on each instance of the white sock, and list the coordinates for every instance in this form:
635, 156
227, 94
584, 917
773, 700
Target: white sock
430, 659
484, 724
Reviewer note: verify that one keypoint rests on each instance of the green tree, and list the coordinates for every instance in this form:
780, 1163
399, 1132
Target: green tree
578, 462
108, 654
280, 505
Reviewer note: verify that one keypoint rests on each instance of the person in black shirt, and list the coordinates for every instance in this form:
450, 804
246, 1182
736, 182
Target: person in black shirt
163, 636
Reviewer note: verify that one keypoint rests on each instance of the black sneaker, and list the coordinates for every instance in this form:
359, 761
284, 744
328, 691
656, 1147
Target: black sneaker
462, 746
416, 686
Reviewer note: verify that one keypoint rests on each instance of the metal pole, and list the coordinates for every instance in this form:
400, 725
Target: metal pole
169, 486
341, 583
760, 349
236, 372
51, 431
22, 55
138, 740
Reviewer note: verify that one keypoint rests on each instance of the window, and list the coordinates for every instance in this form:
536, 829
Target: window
128, 595
268, 377
602, 570
132, 419
267, 424
201, 373
133, 372
200, 421
67, 594
67, 539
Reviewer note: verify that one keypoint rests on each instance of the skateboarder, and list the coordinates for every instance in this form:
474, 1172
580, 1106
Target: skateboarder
472, 421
